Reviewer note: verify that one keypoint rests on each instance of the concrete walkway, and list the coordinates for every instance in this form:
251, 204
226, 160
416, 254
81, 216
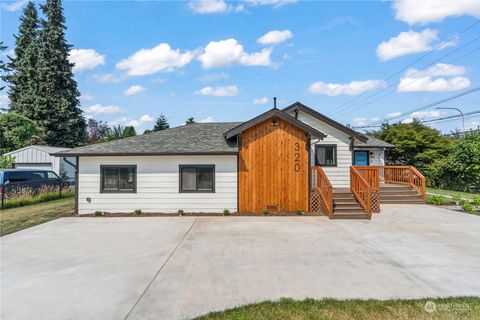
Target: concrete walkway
180, 267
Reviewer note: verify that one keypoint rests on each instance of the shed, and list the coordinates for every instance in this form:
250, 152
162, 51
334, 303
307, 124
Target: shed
39, 157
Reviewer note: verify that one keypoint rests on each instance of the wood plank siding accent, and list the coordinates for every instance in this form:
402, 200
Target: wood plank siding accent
273, 168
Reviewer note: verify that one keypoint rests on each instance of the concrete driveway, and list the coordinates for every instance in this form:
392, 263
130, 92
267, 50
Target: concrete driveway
180, 267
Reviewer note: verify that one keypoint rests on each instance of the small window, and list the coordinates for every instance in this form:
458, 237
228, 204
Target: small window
52, 175
38, 176
197, 178
326, 155
118, 179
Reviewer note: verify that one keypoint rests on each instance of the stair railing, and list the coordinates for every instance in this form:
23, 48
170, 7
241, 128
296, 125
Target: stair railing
362, 190
408, 175
319, 183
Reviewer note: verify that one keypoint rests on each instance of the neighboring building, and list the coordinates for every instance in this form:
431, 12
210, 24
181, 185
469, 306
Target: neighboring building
40, 157
260, 164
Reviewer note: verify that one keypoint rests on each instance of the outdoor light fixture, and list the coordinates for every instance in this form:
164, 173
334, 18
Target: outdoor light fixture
274, 123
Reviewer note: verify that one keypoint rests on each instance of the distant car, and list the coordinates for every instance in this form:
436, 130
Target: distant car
14, 179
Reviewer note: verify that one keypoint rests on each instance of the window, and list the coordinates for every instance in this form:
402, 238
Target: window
118, 178
197, 178
17, 176
52, 176
326, 155
38, 176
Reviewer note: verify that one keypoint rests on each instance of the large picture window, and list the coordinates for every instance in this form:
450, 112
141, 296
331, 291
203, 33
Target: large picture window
197, 178
326, 155
118, 178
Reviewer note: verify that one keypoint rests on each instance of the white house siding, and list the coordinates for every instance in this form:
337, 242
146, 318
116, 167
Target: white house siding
339, 176
158, 185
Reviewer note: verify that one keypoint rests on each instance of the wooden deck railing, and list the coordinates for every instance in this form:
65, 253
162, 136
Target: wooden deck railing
398, 174
361, 189
320, 183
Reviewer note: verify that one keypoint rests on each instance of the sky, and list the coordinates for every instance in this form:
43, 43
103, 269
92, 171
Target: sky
359, 62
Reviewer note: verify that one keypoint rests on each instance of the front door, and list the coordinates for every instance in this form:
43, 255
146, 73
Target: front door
360, 158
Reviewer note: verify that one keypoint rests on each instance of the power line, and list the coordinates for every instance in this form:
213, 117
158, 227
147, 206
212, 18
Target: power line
464, 93
454, 117
365, 101
437, 47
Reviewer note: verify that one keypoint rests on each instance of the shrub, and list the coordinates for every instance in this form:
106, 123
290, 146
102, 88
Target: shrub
265, 212
436, 200
467, 206
138, 212
476, 202
98, 213
181, 212
299, 212
6, 162
226, 212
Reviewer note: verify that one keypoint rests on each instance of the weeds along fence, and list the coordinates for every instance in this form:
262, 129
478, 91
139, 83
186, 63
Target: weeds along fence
21, 194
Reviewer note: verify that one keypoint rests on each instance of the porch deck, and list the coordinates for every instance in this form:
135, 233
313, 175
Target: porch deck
370, 186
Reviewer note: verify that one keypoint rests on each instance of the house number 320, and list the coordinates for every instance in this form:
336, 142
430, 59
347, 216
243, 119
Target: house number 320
297, 157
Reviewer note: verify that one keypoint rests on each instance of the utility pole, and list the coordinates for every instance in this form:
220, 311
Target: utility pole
461, 113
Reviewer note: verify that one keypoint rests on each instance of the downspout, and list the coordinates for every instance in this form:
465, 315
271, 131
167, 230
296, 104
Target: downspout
76, 183
309, 138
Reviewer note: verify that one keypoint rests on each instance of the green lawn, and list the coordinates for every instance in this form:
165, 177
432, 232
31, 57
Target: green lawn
288, 309
15, 219
464, 195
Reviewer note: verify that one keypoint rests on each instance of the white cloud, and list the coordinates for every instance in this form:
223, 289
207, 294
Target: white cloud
207, 6
101, 109
407, 42
87, 97
85, 59
274, 3
108, 77
425, 11
126, 121
263, 100
214, 77
207, 119
133, 90
146, 118
218, 91
352, 89
14, 6
4, 101
407, 120
426, 114
275, 37
159, 58
358, 122
439, 78
229, 52
393, 114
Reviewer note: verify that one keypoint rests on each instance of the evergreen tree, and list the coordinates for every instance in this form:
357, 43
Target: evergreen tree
161, 124
129, 132
57, 105
190, 121
3, 66
23, 65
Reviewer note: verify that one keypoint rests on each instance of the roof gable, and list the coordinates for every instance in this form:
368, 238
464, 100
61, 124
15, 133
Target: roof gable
300, 106
269, 114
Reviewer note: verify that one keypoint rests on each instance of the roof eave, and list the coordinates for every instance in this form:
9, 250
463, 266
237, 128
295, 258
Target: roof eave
113, 154
327, 120
267, 115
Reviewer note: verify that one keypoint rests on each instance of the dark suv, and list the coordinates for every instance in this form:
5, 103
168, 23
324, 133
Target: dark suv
14, 179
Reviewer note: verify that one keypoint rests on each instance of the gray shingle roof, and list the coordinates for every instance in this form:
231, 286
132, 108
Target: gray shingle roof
373, 142
197, 138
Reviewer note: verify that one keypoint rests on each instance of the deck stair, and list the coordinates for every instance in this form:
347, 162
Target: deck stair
345, 206
399, 194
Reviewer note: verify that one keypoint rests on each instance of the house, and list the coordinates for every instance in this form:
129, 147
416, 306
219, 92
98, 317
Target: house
40, 157
280, 161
